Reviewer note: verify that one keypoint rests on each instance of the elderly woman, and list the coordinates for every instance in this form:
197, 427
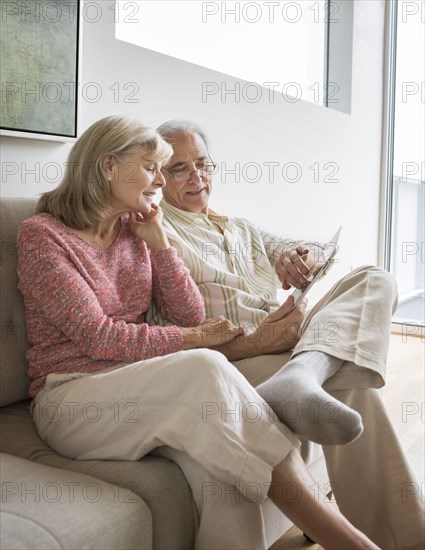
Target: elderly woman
90, 263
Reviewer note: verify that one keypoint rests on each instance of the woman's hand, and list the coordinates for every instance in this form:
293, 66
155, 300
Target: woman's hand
296, 266
148, 227
213, 332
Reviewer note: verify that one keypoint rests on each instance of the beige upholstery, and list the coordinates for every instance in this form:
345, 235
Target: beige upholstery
13, 377
57, 506
145, 504
159, 482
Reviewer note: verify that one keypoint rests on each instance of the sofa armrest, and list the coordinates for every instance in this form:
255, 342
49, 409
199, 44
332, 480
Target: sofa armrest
45, 507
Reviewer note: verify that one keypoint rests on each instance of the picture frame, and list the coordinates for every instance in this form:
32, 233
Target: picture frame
41, 67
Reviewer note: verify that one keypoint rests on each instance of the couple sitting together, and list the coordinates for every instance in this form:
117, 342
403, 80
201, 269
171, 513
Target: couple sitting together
131, 303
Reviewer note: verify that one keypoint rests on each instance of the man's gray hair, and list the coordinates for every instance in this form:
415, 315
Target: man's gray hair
173, 129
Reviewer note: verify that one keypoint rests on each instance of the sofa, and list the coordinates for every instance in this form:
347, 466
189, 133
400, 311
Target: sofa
50, 501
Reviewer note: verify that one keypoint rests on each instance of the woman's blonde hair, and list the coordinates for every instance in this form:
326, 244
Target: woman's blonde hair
81, 199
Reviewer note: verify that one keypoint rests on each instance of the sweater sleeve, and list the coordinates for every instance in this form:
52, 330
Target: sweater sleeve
48, 274
176, 295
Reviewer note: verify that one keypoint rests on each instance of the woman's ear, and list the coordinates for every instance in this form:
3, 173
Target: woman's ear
108, 163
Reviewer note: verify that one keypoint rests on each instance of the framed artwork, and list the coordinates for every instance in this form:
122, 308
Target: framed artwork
40, 43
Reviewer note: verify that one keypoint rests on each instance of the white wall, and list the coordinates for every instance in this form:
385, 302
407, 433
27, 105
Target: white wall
244, 132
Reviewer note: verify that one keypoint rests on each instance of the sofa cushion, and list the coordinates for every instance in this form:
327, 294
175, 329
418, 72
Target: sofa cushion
14, 380
44, 507
19, 532
159, 482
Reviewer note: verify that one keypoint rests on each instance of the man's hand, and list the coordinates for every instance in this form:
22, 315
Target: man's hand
279, 332
296, 266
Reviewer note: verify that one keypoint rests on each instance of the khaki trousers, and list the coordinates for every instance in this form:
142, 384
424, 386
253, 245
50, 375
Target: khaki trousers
371, 478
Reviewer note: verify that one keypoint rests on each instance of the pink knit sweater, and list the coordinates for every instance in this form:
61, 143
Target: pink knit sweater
85, 307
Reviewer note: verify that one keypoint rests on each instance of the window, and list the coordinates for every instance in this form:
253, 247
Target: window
404, 246
281, 49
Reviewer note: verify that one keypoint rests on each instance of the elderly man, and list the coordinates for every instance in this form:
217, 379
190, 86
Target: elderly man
340, 344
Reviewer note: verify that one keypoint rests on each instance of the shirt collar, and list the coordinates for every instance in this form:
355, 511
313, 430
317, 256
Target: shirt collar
190, 217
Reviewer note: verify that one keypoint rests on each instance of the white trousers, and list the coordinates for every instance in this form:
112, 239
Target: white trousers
197, 409
194, 403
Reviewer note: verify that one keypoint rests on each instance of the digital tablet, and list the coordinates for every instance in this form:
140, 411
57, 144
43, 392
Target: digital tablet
299, 293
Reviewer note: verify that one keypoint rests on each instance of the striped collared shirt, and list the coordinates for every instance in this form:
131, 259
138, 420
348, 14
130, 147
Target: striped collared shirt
233, 267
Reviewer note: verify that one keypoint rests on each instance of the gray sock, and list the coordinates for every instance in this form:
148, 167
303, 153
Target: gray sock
296, 395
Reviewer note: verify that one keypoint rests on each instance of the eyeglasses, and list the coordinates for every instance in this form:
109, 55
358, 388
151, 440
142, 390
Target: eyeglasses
183, 175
